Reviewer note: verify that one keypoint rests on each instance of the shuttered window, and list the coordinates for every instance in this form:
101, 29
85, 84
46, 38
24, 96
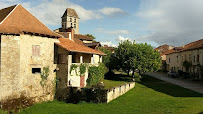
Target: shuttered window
35, 50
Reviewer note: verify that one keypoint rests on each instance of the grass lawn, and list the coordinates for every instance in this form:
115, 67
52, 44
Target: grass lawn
110, 83
149, 96
2, 112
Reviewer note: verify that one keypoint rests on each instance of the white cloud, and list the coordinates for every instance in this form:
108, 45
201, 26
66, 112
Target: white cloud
109, 11
50, 11
122, 38
173, 22
108, 43
113, 31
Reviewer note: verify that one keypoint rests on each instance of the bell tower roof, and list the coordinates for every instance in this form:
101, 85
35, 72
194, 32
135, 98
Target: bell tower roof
71, 13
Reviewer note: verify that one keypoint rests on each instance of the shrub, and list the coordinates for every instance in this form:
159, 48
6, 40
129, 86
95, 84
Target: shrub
73, 67
96, 74
82, 69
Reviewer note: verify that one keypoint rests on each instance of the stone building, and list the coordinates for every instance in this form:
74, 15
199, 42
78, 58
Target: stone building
27, 46
70, 19
29, 49
191, 53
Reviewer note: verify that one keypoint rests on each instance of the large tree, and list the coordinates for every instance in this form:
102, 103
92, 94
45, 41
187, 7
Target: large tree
133, 56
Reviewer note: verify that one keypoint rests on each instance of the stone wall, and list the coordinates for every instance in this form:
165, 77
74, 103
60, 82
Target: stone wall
115, 92
95, 95
17, 62
10, 66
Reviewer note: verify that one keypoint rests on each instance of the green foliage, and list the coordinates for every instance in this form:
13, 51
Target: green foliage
73, 67
130, 56
187, 65
82, 68
89, 35
44, 76
96, 74
106, 59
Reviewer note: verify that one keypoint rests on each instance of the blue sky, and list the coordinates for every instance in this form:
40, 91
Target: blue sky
156, 22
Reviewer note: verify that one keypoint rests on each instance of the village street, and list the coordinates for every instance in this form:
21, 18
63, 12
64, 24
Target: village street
186, 83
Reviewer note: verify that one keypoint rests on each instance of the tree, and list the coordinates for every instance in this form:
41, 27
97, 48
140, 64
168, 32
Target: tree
109, 60
89, 35
133, 56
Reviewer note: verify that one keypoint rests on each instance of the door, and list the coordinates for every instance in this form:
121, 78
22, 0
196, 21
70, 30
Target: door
82, 81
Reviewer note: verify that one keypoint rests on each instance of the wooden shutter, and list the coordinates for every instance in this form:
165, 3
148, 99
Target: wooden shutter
35, 50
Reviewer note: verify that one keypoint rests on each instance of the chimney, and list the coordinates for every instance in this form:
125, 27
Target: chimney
71, 33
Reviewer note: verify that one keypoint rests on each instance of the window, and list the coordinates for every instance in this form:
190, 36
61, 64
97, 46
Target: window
36, 70
62, 59
75, 20
71, 24
55, 54
74, 25
194, 59
169, 60
177, 58
35, 50
197, 58
70, 19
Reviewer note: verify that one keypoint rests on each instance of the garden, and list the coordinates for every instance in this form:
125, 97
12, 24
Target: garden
149, 96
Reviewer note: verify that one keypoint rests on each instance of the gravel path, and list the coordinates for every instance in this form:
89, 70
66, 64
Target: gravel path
189, 84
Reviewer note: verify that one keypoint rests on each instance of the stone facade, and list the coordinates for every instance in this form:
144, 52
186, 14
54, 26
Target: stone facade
18, 63
69, 21
175, 61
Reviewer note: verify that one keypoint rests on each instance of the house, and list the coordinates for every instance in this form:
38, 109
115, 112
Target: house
191, 54
164, 48
27, 46
109, 48
76, 54
33, 57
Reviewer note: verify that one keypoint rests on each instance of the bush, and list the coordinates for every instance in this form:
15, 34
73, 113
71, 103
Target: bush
96, 74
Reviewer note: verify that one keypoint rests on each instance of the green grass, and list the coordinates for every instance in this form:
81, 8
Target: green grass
2, 112
110, 83
149, 96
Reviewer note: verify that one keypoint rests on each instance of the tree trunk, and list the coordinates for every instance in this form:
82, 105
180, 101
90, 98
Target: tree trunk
139, 72
133, 78
128, 72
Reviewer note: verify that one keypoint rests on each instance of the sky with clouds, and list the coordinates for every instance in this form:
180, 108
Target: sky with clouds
157, 22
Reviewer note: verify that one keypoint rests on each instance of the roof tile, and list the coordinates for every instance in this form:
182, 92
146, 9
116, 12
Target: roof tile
75, 47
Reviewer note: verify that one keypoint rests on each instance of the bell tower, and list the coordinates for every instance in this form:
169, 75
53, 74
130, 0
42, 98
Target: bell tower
70, 19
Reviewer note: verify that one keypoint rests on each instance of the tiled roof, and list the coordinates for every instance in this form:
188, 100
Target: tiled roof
82, 37
4, 12
163, 48
75, 47
190, 46
66, 35
193, 45
17, 19
92, 44
70, 12
169, 52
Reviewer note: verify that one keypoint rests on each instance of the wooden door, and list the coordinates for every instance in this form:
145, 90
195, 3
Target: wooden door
82, 81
